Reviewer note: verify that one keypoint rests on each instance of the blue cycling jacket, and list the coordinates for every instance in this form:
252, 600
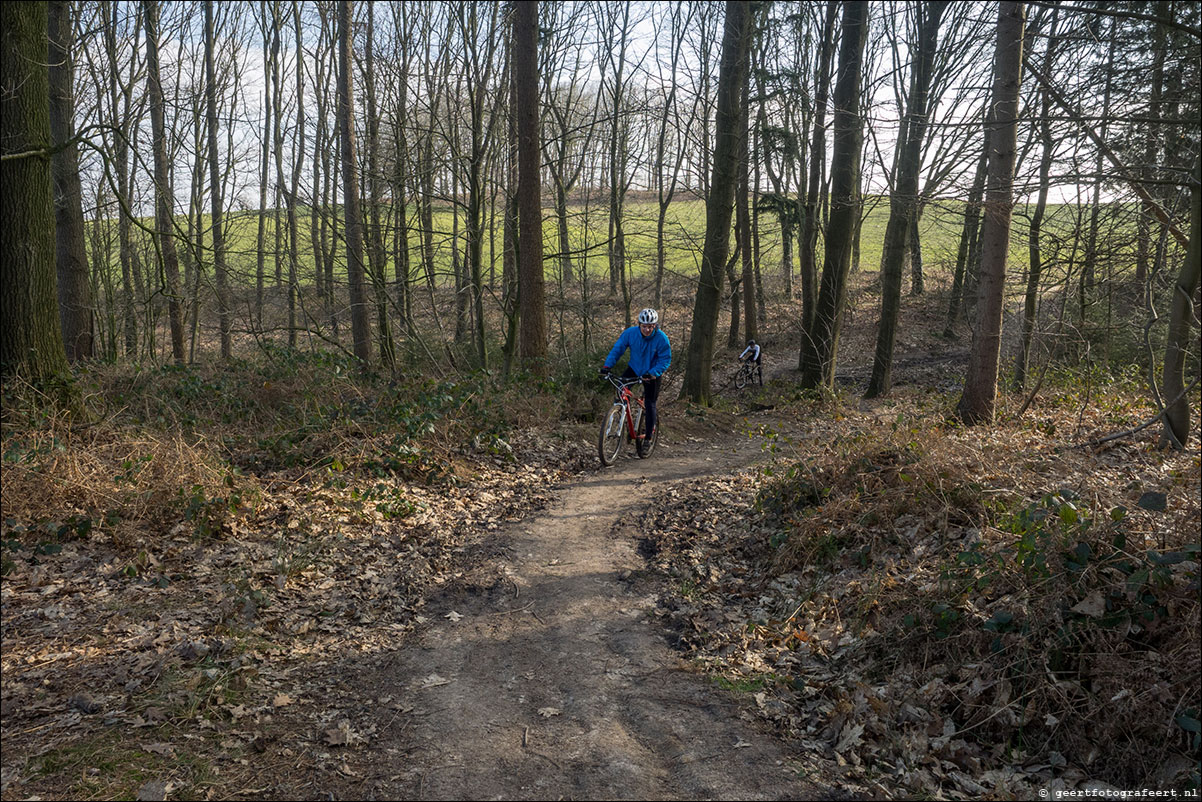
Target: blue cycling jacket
647, 354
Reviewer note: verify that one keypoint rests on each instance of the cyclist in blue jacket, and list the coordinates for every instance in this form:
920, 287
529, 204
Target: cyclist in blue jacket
650, 356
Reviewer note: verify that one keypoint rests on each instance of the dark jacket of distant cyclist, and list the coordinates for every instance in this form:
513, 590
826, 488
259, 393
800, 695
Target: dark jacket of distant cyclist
649, 356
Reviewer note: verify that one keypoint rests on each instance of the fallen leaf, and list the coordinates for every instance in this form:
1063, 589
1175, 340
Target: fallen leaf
547, 712
153, 791
342, 735
741, 744
1093, 605
159, 749
454, 616
281, 700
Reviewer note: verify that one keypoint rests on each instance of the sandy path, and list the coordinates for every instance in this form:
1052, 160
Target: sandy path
556, 683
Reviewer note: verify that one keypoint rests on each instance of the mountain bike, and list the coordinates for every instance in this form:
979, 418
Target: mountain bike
624, 423
746, 374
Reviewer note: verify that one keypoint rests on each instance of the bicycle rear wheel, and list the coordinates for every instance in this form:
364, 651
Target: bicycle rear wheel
613, 434
645, 446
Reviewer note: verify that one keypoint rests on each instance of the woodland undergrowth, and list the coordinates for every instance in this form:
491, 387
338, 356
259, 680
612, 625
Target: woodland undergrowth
196, 553
956, 612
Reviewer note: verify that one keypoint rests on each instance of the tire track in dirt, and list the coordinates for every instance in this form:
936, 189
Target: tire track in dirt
552, 681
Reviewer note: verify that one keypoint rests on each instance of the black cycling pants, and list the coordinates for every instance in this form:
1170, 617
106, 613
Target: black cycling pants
650, 396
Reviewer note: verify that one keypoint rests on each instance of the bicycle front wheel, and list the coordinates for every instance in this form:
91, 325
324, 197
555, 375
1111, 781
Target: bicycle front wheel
613, 433
741, 378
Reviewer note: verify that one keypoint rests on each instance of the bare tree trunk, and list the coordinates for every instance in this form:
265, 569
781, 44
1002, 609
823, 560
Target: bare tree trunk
216, 207
810, 223
74, 289
401, 259
120, 95
261, 238
1089, 266
903, 213
1181, 322
1034, 245
917, 281
743, 221
353, 215
980, 384
375, 227
1143, 238
298, 147
164, 203
732, 76
820, 345
966, 255
533, 335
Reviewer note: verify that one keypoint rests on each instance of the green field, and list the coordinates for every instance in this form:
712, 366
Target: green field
684, 235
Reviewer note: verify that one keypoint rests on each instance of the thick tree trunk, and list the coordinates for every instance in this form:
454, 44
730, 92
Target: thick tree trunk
732, 76
980, 384
74, 287
820, 345
353, 215
532, 338
31, 344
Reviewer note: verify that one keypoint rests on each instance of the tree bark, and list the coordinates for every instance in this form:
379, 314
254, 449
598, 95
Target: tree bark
743, 221
810, 224
903, 212
1034, 236
966, 254
216, 202
820, 344
732, 75
1181, 319
74, 287
31, 343
532, 337
120, 93
977, 404
375, 226
164, 194
353, 214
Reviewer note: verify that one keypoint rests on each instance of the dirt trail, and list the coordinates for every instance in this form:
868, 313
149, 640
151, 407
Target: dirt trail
542, 675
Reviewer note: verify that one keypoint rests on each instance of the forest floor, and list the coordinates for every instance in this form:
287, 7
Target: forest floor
527, 661
784, 601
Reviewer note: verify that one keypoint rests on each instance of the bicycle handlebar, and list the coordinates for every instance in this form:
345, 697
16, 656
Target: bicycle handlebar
618, 382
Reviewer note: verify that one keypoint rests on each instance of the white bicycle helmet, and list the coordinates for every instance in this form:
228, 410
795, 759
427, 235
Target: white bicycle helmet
648, 316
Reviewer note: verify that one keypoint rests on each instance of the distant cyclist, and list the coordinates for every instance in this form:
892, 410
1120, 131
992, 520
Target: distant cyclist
650, 356
753, 352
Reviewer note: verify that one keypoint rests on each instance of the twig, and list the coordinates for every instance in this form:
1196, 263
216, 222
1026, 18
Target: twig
1151, 421
544, 757
515, 610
